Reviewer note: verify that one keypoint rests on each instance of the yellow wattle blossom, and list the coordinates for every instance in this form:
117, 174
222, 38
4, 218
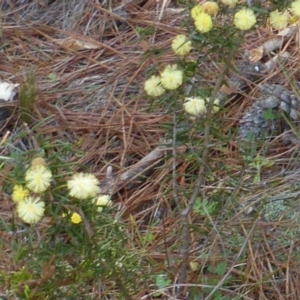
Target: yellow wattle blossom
203, 23
153, 86
102, 201
38, 178
76, 218
19, 193
181, 45
279, 20
171, 78
38, 161
295, 8
31, 210
196, 11
194, 106
216, 106
244, 19
211, 8
293, 19
83, 186
230, 3
194, 266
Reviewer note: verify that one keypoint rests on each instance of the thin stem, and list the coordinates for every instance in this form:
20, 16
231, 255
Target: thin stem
186, 239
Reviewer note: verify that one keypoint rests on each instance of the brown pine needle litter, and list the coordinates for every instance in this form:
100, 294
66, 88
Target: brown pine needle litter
89, 62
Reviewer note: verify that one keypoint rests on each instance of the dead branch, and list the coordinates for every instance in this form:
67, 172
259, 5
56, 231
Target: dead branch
136, 172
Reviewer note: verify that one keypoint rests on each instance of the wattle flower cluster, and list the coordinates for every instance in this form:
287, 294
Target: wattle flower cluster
30, 208
38, 179
197, 106
170, 79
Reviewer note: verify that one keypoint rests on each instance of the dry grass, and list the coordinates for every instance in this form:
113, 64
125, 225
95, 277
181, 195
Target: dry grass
95, 101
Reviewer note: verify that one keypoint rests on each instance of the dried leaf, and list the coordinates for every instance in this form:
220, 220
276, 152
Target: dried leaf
256, 54
226, 89
75, 44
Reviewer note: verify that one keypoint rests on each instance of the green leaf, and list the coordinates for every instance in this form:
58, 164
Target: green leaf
161, 282
218, 295
149, 237
221, 268
256, 178
52, 76
203, 207
269, 114
211, 269
267, 163
27, 292
197, 205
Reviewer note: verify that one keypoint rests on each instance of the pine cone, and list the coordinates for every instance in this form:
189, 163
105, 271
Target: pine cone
246, 72
256, 123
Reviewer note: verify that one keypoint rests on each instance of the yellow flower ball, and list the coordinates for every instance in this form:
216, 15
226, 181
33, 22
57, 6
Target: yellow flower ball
153, 86
102, 201
211, 8
230, 3
194, 106
294, 19
19, 193
244, 19
181, 45
203, 23
279, 20
76, 218
38, 161
171, 78
295, 8
196, 11
216, 106
83, 186
31, 210
38, 178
